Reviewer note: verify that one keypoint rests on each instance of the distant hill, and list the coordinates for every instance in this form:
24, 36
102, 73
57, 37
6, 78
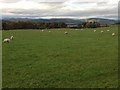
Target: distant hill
75, 21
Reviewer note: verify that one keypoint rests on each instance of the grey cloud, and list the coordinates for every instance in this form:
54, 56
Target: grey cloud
56, 10
54, 13
55, 5
50, 0
93, 12
9, 1
101, 3
33, 12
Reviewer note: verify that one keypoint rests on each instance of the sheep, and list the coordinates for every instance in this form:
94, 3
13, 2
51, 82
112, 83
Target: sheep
81, 29
42, 30
6, 40
11, 37
49, 31
113, 34
94, 30
66, 32
101, 31
108, 30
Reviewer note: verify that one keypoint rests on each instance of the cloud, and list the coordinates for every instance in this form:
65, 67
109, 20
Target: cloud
61, 9
9, 1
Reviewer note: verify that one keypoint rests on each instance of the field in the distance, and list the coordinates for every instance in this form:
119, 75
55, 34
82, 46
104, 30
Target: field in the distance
80, 59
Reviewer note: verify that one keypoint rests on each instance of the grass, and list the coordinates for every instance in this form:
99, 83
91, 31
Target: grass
81, 59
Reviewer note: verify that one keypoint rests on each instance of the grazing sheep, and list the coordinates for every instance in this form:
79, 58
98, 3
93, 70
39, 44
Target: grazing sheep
81, 29
94, 30
108, 30
66, 32
6, 40
113, 34
101, 31
42, 30
11, 37
49, 31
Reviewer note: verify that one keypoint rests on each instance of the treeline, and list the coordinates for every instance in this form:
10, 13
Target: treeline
6, 25
92, 24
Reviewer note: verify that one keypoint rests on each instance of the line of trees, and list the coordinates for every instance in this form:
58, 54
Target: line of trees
92, 24
6, 25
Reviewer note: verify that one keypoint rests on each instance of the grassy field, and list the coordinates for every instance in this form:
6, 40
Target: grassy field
80, 59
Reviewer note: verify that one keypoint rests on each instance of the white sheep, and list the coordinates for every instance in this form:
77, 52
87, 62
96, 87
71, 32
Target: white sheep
6, 40
49, 31
94, 30
101, 31
113, 34
42, 30
108, 30
66, 32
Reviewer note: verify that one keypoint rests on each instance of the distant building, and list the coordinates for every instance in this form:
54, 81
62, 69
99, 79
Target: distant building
71, 25
104, 25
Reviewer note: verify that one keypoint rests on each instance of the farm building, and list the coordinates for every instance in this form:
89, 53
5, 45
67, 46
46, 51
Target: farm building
71, 25
104, 25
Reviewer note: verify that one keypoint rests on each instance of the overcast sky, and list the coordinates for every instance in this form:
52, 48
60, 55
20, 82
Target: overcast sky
59, 8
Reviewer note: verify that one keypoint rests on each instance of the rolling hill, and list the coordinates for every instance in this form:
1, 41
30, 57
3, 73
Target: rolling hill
64, 20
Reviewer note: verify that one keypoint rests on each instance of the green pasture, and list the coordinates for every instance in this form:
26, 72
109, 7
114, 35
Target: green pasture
43, 59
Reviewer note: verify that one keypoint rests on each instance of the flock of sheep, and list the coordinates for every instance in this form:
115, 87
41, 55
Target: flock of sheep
7, 40
113, 34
